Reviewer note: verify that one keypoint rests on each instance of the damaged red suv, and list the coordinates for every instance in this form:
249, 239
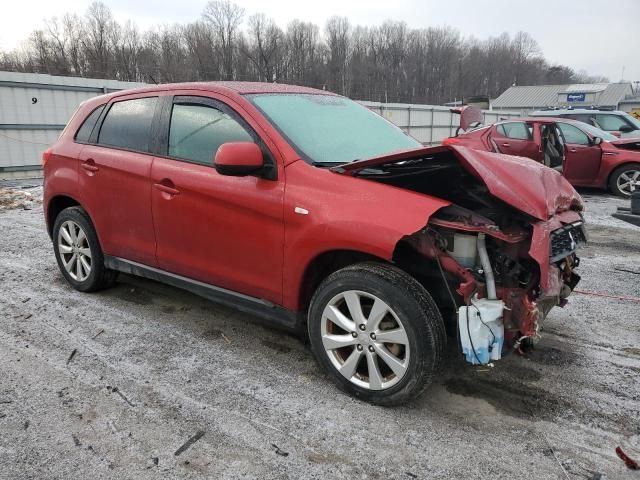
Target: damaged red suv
306, 209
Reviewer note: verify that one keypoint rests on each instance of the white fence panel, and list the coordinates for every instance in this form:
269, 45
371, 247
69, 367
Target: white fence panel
429, 124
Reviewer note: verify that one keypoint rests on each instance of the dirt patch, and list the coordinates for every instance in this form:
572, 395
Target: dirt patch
24, 199
547, 355
278, 347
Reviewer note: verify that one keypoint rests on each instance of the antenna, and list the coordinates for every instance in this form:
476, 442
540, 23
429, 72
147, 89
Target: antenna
152, 79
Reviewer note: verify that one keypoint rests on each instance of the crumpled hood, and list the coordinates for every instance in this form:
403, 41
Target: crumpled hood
632, 143
524, 184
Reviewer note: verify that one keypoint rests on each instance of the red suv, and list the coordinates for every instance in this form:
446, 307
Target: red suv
305, 208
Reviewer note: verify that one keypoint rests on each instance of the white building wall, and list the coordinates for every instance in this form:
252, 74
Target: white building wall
34, 108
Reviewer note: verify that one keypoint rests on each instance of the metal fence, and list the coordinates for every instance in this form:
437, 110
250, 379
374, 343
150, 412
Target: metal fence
429, 124
34, 109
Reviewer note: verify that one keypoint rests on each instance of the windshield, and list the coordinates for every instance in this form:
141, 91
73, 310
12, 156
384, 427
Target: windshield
327, 129
596, 132
633, 120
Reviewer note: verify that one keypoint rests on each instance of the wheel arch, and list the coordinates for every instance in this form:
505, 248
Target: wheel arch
56, 205
616, 168
326, 263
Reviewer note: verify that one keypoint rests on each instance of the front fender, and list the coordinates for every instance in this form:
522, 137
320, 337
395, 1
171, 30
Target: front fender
326, 211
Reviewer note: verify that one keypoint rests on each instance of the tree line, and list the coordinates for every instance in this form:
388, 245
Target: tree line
388, 63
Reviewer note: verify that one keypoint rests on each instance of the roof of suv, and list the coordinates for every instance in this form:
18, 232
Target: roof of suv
568, 111
241, 88
541, 119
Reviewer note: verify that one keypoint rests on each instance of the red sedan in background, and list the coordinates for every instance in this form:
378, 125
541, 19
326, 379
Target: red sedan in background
586, 156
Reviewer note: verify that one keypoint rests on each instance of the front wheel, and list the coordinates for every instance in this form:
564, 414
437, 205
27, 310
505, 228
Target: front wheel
625, 179
376, 332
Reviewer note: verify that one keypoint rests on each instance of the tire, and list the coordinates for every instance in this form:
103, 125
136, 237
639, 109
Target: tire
412, 318
76, 246
620, 177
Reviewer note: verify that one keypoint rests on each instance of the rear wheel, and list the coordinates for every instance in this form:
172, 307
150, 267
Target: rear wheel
625, 179
376, 332
78, 252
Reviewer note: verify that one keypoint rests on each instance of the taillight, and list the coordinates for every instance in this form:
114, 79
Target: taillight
45, 157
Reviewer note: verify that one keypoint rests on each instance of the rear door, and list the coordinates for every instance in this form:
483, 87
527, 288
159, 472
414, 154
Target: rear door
114, 178
222, 230
582, 159
515, 138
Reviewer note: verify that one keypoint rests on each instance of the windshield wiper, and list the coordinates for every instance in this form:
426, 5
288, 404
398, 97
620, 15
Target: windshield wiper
333, 164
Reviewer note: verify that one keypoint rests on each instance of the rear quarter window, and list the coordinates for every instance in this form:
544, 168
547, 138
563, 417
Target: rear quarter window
128, 124
84, 132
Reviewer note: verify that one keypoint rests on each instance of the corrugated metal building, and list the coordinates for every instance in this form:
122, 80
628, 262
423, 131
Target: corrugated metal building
34, 109
526, 99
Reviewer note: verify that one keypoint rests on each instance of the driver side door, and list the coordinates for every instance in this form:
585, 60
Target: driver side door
225, 231
582, 158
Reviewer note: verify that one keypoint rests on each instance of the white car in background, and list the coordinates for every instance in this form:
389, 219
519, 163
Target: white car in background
618, 123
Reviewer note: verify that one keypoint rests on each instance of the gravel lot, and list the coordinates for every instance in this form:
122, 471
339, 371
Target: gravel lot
113, 384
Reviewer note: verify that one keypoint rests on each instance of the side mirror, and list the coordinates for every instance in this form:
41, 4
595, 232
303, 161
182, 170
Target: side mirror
596, 140
238, 159
626, 128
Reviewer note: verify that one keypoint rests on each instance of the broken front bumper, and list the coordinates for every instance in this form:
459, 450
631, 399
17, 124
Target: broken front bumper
517, 313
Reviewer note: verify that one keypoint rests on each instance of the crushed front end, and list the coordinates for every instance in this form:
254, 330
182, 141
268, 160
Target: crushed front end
502, 279
501, 255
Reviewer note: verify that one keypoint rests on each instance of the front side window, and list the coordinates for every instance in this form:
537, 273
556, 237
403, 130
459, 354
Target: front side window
610, 123
197, 131
516, 130
328, 129
573, 134
84, 132
128, 124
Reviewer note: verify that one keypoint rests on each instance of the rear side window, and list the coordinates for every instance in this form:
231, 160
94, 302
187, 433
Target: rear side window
84, 132
128, 124
197, 131
516, 130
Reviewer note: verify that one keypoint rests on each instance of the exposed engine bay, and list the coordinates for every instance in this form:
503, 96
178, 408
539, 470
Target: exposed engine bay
501, 269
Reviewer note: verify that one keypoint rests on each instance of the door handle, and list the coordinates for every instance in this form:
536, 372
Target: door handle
573, 150
89, 165
167, 186
506, 144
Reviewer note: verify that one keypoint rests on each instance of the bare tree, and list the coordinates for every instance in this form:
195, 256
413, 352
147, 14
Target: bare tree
99, 27
264, 47
390, 62
224, 18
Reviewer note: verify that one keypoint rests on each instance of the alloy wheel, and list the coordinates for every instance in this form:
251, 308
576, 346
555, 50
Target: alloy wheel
365, 340
74, 250
628, 181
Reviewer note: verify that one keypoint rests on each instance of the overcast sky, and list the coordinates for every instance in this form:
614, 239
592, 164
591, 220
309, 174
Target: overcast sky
601, 37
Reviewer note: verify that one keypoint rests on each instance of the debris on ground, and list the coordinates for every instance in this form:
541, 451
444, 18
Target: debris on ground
73, 354
628, 461
13, 198
279, 451
120, 394
186, 445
